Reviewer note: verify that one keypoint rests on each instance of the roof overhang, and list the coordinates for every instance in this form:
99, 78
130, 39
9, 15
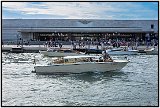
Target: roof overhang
80, 30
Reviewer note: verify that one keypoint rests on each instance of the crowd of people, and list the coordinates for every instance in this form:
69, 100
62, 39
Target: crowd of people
113, 43
53, 44
101, 42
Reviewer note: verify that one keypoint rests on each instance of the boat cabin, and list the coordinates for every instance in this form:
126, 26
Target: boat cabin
78, 59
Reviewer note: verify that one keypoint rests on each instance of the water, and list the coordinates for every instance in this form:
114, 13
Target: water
135, 85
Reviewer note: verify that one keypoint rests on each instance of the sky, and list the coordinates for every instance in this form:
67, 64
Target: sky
81, 10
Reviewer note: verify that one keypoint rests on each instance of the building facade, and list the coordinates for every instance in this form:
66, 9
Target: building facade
76, 29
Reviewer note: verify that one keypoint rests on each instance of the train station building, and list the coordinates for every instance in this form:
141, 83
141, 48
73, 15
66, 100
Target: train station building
40, 30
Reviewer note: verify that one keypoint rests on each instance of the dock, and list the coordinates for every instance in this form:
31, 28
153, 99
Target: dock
37, 48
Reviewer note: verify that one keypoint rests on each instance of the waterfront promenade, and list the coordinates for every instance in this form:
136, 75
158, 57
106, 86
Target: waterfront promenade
36, 48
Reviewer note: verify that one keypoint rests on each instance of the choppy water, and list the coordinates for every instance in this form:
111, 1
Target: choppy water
135, 85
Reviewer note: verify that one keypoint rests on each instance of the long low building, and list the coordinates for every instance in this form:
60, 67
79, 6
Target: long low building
76, 29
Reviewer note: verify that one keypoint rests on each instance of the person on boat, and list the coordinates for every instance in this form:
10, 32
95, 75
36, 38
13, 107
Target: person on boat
60, 45
90, 59
125, 49
106, 56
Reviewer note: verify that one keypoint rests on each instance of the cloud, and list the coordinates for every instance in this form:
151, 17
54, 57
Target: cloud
76, 10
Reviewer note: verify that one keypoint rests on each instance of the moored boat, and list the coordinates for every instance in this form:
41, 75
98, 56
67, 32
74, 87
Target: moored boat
129, 52
59, 52
114, 51
82, 63
152, 51
122, 51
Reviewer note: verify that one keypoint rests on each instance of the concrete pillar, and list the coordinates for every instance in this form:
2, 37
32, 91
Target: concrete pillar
31, 35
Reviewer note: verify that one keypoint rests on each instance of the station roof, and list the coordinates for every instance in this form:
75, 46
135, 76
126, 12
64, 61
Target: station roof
80, 25
82, 30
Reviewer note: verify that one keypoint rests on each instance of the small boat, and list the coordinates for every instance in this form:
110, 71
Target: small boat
121, 51
60, 52
116, 49
113, 51
79, 64
152, 51
93, 51
129, 52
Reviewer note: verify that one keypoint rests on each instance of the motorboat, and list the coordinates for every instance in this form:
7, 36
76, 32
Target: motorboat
93, 51
121, 51
60, 52
113, 51
116, 49
129, 52
79, 64
151, 51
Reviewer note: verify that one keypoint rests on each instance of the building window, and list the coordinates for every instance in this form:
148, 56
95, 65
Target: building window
152, 26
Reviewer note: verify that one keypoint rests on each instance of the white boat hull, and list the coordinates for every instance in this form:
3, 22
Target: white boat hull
57, 54
81, 67
151, 51
134, 52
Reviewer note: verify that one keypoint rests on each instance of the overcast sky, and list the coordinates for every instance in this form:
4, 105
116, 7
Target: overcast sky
81, 10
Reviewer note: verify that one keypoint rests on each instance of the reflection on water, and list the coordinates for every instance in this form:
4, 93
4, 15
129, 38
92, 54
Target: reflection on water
135, 85
93, 77
86, 77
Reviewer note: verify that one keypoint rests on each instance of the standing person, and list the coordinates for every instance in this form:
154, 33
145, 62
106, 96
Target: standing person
83, 44
51, 43
106, 56
55, 45
79, 44
148, 40
109, 42
102, 45
28, 43
136, 45
97, 47
46, 43
74, 45
60, 45
89, 44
